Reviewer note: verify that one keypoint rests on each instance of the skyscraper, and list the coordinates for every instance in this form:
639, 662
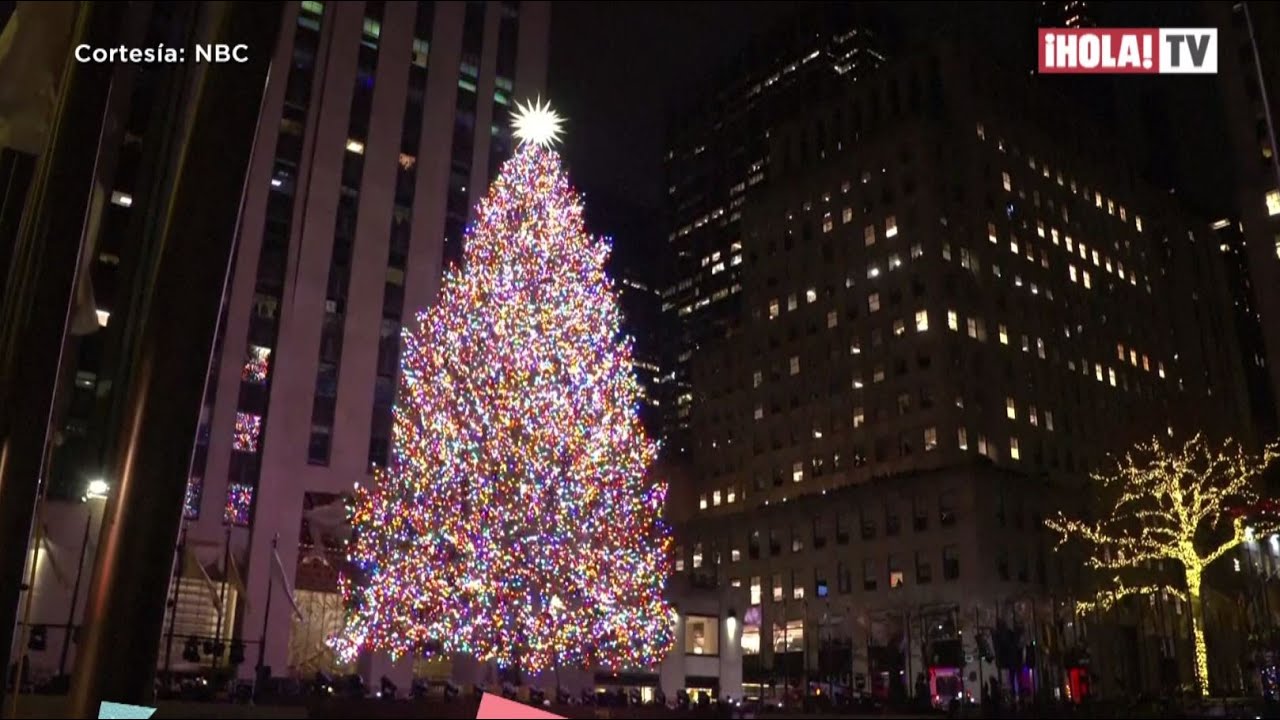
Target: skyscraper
1250, 86
956, 303
383, 126
717, 158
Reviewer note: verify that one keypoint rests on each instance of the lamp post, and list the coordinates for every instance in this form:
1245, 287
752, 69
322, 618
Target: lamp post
96, 490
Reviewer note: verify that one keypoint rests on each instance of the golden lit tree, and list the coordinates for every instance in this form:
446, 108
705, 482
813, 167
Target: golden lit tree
1168, 503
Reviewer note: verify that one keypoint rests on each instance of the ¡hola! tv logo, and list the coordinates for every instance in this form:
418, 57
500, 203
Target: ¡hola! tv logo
1129, 51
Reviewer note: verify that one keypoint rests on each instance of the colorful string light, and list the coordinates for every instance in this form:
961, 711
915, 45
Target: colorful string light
257, 364
515, 521
248, 428
239, 504
191, 503
1162, 503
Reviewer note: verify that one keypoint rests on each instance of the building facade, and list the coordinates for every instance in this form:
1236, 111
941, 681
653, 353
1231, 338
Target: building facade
718, 156
947, 272
383, 126
1249, 87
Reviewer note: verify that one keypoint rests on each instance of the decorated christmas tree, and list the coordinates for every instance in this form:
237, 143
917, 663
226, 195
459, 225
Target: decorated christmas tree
515, 520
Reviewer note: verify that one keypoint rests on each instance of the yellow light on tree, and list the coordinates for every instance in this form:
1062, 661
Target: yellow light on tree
1164, 499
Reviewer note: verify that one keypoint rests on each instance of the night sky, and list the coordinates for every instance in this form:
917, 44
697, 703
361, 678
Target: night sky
618, 69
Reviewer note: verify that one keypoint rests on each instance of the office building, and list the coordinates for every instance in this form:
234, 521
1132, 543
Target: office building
956, 302
1248, 79
638, 265
382, 128
97, 159
717, 157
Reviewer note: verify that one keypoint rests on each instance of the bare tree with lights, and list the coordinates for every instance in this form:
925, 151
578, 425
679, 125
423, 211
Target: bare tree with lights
1176, 504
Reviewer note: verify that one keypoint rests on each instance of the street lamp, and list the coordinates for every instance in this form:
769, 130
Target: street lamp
97, 489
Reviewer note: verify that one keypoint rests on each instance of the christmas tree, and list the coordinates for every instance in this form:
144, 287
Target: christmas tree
515, 521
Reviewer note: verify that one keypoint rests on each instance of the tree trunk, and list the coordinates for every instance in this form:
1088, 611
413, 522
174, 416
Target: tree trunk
1197, 634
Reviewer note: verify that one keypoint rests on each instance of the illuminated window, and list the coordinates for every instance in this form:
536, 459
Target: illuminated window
873, 271
1160, 369
896, 576
1070, 245
789, 638
962, 438
1273, 202
953, 321
1120, 351
811, 295
1048, 420
697, 555
759, 412
890, 226
1013, 449
256, 365
702, 502
355, 146
869, 235
1133, 357
972, 327
1013, 245
895, 261
922, 320
797, 589
1097, 199
239, 504
121, 198
797, 472
1097, 371
1026, 344
1123, 215
982, 132
858, 417
846, 215
1004, 334
1111, 207
855, 348
1032, 416
826, 223
1054, 234
791, 302
777, 587
1040, 228
248, 429
1137, 222
1005, 181
701, 635
1095, 258
774, 310
1111, 376
877, 374
1010, 408
1071, 270
873, 302
899, 327
1088, 282
983, 447
730, 496
795, 364
756, 595
832, 318
757, 378
930, 439
991, 232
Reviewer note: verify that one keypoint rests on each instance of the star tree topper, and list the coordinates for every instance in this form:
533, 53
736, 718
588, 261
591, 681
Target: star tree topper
536, 123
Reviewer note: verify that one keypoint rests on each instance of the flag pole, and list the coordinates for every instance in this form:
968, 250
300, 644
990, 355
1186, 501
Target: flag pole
266, 614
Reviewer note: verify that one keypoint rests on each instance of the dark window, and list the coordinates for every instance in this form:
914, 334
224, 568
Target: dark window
950, 562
